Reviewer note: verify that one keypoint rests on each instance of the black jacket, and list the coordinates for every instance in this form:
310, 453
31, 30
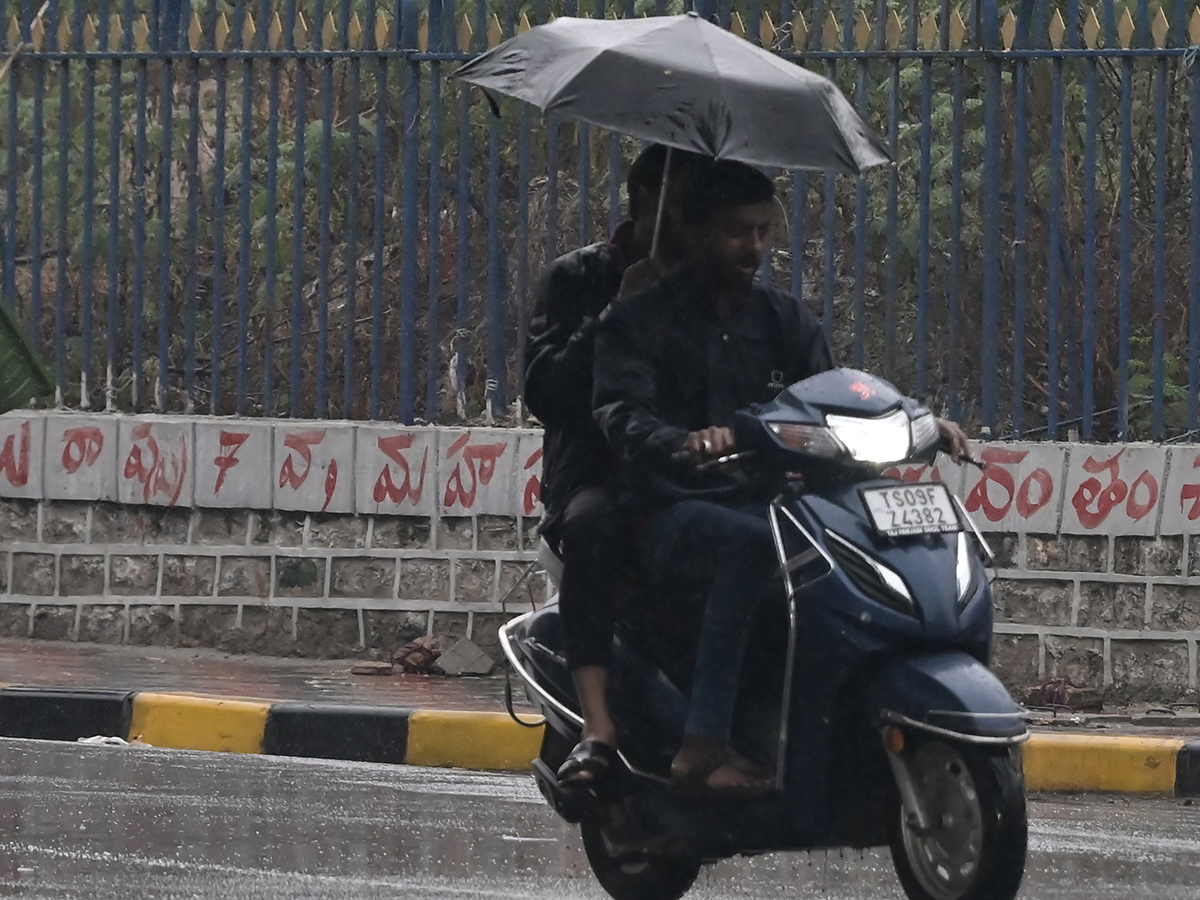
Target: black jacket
665, 366
576, 288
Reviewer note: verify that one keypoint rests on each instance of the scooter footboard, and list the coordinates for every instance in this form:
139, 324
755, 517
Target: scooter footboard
950, 694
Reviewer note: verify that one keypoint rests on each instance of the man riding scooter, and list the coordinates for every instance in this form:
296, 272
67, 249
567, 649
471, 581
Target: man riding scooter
672, 366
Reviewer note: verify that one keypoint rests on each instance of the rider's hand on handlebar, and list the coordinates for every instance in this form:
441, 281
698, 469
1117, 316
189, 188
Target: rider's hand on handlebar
711, 443
956, 440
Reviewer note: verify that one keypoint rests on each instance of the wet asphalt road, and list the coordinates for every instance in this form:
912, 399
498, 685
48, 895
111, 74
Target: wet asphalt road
96, 822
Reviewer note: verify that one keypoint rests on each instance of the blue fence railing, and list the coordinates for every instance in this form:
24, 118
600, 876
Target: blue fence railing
289, 208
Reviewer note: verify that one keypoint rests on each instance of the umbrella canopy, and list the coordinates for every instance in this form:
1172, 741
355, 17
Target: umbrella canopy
683, 82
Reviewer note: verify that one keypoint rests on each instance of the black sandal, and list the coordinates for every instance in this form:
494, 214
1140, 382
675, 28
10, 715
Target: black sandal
694, 780
588, 763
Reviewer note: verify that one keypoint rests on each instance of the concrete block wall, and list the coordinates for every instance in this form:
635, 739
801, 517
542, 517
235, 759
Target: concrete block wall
344, 539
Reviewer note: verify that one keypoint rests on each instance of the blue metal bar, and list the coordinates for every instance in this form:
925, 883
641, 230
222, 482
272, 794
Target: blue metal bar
87, 286
299, 193
860, 240
165, 204
990, 324
246, 151
615, 169
433, 324
1194, 281
585, 188
462, 343
953, 298
410, 217
39, 199
113, 274
891, 274
799, 212
64, 202
1054, 259
1126, 235
1020, 250
9, 285
922, 335
379, 187
321, 408
554, 130
524, 170
139, 235
350, 338
270, 300
218, 267
1160, 251
497, 388
1092, 114
193, 230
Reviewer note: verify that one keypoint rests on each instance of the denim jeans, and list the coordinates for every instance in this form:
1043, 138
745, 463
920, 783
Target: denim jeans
731, 547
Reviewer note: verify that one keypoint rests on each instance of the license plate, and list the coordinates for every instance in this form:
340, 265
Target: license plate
911, 509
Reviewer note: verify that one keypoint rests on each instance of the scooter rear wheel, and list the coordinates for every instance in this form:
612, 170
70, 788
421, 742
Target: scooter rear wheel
976, 847
639, 875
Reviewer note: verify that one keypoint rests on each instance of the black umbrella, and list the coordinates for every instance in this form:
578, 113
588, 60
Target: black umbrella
683, 82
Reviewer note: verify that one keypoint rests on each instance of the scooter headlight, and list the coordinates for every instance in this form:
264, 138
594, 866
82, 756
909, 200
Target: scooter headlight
887, 439
810, 439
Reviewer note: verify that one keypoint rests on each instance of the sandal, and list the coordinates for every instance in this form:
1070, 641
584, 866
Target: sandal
695, 776
589, 762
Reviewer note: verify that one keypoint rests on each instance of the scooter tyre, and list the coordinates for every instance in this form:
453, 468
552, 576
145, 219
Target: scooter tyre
637, 876
999, 785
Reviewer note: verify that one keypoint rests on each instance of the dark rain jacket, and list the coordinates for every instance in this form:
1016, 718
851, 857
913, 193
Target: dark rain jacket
666, 365
572, 294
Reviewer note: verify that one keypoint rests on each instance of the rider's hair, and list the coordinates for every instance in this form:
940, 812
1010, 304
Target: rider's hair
646, 172
726, 183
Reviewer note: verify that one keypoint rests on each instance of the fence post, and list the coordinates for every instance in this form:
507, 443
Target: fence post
408, 38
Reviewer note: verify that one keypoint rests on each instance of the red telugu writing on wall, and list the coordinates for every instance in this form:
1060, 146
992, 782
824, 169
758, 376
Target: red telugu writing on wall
386, 489
81, 447
1095, 500
997, 491
479, 461
301, 443
1191, 492
155, 467
14, 457
231, 443
533, 486
912, 474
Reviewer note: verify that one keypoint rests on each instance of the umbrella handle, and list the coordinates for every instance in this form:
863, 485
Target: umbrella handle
662, 202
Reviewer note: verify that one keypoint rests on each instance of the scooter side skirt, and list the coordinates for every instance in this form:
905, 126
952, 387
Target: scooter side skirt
949, 694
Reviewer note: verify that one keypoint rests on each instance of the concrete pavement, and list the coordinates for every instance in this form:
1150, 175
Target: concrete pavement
206, 700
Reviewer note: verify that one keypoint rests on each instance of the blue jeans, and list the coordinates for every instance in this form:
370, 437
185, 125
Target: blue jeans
731, 547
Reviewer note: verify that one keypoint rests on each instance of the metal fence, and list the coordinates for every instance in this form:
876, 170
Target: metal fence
292, 210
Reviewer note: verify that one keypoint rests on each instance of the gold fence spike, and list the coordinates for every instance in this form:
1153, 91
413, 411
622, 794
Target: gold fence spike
221, 32
766, 31
495, 32
328, 32
465, 35
1160, 28
248, 32
862, 31
116, 32
141, 34
274, 32
523, 25
737, 26
894, 31
1091, 30
930, 32
195, 33
354, 32
37, 34
830, 36
14, 33
423, 33
1057, 30
90, 39
300, 32
1008, 30
958, 31
799, 32
1125, 29
383, 30
1194, 26
64, 34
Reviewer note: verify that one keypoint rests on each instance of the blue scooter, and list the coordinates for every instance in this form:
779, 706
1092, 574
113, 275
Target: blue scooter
868, 694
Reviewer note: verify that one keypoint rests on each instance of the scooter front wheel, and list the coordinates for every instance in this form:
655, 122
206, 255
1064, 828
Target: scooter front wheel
660, 874
975, 846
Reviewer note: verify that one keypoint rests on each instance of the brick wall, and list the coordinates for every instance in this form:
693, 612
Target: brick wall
342, 539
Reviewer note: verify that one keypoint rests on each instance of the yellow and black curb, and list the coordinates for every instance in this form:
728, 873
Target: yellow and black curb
489, 740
